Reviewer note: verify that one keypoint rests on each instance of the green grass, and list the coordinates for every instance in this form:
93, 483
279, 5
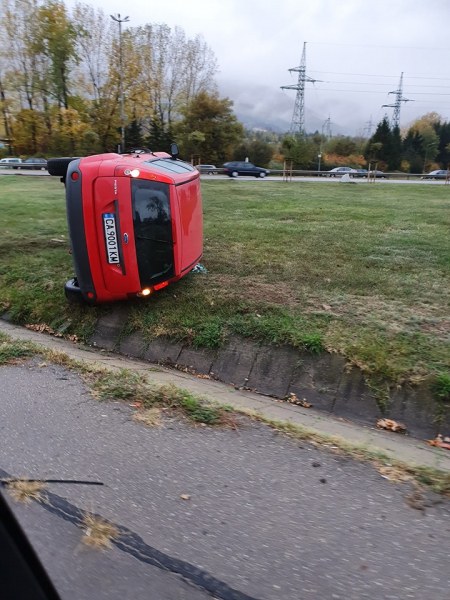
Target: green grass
363, 270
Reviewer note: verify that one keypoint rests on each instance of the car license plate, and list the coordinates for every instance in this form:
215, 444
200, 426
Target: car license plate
112, 246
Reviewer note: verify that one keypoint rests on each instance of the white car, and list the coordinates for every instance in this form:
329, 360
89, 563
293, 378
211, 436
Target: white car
10, 163
339, 171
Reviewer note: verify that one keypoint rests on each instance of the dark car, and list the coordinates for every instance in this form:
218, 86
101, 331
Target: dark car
33, 163
207, 169
437, 174
235, 168
366, 173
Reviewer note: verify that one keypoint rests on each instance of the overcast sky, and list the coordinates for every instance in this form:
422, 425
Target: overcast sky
357, 49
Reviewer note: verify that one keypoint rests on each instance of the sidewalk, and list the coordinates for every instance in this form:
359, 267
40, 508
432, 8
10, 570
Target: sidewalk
396, 446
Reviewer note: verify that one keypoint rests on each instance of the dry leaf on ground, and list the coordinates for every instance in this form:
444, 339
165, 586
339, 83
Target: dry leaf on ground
293, 399
391, 425
440, 442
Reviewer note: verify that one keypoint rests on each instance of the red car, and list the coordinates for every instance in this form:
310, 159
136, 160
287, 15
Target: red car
135, 222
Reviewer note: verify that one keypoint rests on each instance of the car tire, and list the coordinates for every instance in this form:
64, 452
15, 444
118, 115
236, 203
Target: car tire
72, 292
234, 174
59, 166
262, 174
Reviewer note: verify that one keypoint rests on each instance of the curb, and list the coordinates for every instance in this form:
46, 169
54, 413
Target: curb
395, 446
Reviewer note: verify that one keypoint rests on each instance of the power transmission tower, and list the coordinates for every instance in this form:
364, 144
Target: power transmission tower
298, 116
326, 128
398, 102
368, 128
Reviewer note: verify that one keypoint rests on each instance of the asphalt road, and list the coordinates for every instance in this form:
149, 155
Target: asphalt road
209, 513
323, 179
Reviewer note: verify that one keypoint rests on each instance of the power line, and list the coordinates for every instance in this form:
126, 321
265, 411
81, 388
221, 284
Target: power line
382, 75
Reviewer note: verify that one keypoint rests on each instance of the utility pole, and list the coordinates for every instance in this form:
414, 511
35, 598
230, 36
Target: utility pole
398, 101
298, 117
120, 20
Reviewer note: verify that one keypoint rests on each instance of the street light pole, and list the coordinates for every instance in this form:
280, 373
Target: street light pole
120, 20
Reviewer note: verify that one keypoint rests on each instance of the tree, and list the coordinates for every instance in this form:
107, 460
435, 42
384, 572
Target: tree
133, 135
209, 128
421, 143
301, 150
380, 146
55, 40
443, 154
413, 151
257, 151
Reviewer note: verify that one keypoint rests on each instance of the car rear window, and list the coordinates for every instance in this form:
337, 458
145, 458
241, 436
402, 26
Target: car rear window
152, 231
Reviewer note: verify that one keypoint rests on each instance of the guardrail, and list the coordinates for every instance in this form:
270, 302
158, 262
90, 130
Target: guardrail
315, 173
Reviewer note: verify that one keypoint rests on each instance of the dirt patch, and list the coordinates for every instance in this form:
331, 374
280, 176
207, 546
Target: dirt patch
390, 315
253, 289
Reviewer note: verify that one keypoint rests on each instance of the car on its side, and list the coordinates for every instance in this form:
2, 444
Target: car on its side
207, 169
135, 222
33, 163
339, 171
238, 167
10, 163
437, 174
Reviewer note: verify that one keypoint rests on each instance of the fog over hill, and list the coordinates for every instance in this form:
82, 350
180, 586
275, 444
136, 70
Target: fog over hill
263, 107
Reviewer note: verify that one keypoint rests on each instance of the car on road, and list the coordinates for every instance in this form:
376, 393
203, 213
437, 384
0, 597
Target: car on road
33, 163
10, 163
207, 169
237, 167
365, 173
339, 171
437, 174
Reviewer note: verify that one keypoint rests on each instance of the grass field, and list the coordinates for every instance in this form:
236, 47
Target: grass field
363, 270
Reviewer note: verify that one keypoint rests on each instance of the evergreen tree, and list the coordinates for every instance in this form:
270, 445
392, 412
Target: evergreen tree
133, 135
413, 151
381, 147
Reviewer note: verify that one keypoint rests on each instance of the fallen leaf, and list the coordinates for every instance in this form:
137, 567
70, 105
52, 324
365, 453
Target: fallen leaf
391, 425
393, 473
326, 306
293, 399
440, 442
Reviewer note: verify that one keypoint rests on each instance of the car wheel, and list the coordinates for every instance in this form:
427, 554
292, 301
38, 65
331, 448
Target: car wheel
59, 166
262, 174
72, 292
234, 174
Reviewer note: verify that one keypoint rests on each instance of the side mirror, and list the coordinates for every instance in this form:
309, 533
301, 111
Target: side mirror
174, 151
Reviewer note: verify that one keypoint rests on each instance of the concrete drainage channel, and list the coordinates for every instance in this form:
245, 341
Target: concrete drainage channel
326, 380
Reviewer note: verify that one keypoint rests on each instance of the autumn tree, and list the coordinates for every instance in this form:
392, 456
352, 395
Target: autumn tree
421, 143
209, 128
